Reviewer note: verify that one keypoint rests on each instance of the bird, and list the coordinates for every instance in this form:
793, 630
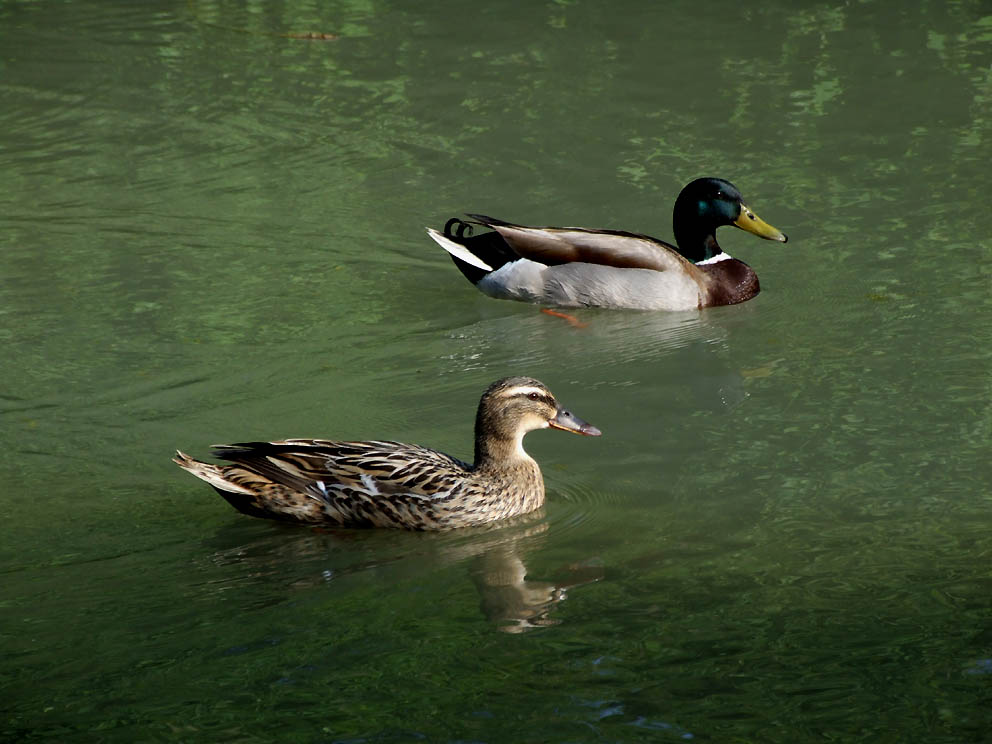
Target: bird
581, 267
390, 484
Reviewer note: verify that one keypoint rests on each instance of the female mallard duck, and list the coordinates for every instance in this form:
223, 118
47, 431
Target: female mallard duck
576, 267
388, 484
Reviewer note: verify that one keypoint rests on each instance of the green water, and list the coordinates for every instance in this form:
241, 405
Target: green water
212, 233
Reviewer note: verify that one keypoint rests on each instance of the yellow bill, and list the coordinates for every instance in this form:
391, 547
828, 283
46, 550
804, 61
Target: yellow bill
751, 222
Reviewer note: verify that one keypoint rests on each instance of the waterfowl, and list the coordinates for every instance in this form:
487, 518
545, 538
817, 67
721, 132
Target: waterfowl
579, 267
389, 484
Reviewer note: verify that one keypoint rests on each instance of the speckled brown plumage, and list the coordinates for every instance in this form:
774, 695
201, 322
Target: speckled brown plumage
389, 484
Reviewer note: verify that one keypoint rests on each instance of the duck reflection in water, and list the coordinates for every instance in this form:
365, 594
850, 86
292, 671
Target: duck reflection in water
295, 560
517, 604
376, 483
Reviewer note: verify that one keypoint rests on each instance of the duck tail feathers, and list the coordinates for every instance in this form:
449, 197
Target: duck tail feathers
212, 474
489, 221
457, 250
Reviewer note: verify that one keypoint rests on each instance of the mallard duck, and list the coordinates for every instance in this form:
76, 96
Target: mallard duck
578, 267
388, 484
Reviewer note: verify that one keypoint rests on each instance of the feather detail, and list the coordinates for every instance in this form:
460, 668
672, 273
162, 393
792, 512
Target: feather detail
382, 483
458, 251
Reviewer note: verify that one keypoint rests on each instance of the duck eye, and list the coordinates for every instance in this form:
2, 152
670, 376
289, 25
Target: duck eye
533, 396
719, 194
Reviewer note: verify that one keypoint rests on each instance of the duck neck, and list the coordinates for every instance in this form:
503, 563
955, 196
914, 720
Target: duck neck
493, 452
694, 227
695, 242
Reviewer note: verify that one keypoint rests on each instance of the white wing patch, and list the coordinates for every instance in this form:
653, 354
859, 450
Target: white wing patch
318, 491
369, 484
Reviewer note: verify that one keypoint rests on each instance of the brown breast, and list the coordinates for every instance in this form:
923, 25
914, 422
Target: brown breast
729, 282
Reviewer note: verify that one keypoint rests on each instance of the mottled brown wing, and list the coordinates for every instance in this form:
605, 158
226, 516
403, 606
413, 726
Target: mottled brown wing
392, 467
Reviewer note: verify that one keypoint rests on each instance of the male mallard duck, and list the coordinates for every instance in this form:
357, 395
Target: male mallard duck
575, 267
388, 484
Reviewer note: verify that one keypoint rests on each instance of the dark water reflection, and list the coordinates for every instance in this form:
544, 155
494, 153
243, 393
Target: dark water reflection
494, 558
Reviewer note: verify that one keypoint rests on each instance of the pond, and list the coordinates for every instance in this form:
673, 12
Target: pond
213, 231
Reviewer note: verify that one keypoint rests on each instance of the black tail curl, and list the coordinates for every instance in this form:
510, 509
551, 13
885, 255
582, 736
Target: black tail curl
461, 228
489, 246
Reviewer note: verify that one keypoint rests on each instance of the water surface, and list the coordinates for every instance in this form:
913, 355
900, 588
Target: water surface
213, 232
